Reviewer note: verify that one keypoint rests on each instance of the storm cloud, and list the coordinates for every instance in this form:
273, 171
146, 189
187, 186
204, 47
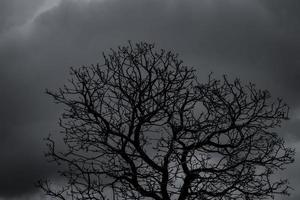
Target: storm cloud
257, 41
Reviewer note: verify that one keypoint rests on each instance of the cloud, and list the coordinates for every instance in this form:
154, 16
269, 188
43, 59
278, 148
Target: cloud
292, 173
243, 39
15, 12
255, 40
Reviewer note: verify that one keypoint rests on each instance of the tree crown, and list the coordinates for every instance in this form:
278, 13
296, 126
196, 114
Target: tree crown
140, 126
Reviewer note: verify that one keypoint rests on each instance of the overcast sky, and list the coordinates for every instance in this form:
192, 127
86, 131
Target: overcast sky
255, 40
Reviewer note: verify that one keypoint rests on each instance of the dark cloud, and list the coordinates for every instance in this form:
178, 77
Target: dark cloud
256, 40
242, 38
20, 169
15, 12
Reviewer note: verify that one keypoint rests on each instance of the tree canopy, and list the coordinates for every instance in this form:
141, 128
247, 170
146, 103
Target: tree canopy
141, 126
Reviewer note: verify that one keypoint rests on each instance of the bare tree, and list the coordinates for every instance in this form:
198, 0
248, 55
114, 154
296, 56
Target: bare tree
140, 126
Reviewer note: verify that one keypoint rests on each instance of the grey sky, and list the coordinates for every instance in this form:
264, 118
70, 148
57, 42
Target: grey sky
256, 40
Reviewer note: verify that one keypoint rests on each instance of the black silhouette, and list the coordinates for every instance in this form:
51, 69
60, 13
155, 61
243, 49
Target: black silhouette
141, 126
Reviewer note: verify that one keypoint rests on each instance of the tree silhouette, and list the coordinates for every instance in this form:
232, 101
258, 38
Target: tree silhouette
140, 126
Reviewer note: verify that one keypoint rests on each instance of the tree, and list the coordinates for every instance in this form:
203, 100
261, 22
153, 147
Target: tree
141, 126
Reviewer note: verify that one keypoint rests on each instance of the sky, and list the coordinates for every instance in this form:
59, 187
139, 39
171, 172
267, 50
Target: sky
254, 40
